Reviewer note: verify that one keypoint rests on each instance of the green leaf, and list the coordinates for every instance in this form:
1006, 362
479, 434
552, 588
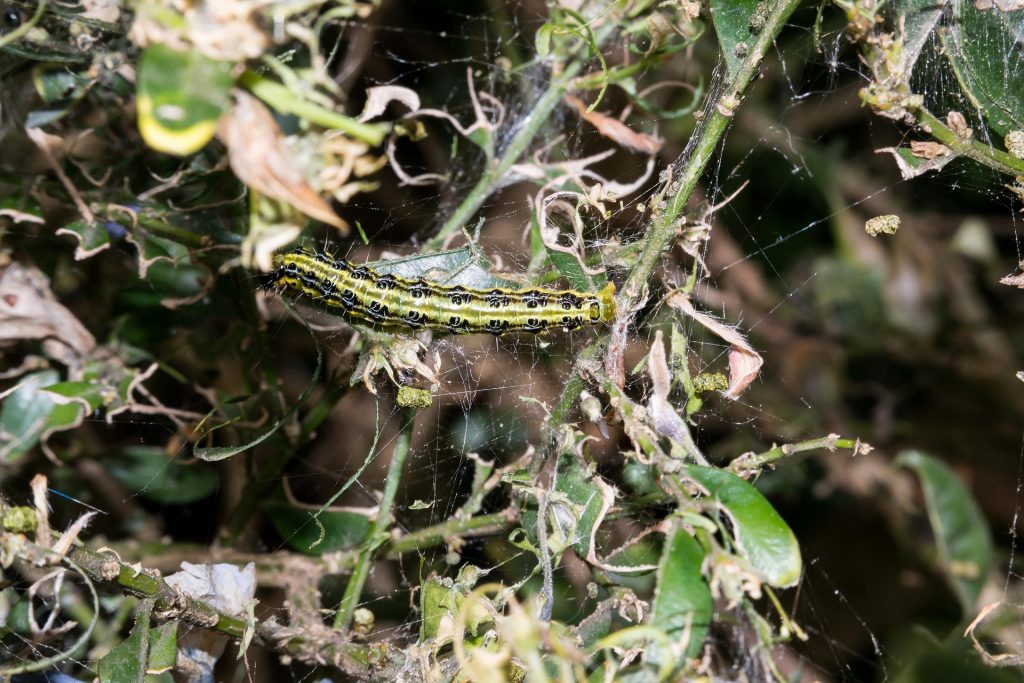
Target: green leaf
441, 603
60, 88
338, 528
126, 663
92, 237
592, 497
569, 267
682, 599
961, 532
29, 413
150, 472
542, 40
181, 95
761, 534
640, 552
732, 20
986, 49
163, 648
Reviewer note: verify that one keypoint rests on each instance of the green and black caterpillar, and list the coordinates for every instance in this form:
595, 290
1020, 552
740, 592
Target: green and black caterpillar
361, 294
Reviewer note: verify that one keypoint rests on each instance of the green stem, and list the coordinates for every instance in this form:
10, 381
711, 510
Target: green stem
439, 533
754, 462
378, 535
718, 118
284, 100
969, 147
662, 231
171, 232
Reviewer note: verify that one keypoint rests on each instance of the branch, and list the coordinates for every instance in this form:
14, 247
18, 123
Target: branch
662, 231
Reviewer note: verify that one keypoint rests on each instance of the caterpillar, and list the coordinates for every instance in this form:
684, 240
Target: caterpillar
361, 294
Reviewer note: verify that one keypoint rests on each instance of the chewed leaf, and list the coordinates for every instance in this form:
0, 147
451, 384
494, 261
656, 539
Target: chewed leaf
912, 165
744, 361
961, 533
181, 95
27, 413
761, 534
464, 266
615, 130
378, 98
92, 238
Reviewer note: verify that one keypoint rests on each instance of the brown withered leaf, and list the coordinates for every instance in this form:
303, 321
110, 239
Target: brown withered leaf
616, 130
929, 150
29, 310
260, 158
744, 362
1015, 280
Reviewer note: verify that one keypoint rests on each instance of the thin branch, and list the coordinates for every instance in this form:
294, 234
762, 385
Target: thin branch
378, 534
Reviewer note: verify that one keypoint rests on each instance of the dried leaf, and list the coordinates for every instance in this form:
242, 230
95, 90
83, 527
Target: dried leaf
910, 164
927, 149
29, 310
958, 124
744, 362
261, 160
1015, 280
616, 130
377, 100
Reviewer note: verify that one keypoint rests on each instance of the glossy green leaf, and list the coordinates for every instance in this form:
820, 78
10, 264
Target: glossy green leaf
986, 49
126, 662
181, 95
682, 600
29, 413
148, 471
341, 528
961, 532
732, 20
761, 534
163, 648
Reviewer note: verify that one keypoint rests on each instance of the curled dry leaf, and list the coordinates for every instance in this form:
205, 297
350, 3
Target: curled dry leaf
664, 418
1015, 280
29, 310
912, 170
616, 130
260, 158
958, 124
377, 100
744, 362
225, 587
926, 149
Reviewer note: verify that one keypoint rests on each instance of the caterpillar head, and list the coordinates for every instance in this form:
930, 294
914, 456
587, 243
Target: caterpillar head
607, 296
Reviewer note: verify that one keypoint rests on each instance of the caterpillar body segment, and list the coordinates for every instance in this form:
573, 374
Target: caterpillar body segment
361, 294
